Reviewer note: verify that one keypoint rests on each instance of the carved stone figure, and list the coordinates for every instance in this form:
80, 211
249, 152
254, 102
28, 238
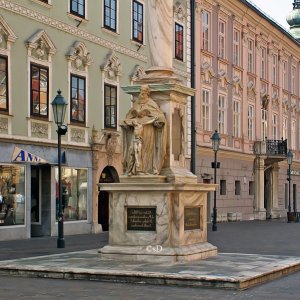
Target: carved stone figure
144, 136
160, 25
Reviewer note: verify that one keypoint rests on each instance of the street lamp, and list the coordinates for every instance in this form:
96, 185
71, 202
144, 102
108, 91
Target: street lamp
289, 161
59, 105
215, 141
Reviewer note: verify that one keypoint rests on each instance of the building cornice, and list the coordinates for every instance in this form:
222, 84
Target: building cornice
73, 30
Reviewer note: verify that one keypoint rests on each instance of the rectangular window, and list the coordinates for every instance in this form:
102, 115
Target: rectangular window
237, 187
222, 187
12, 195
78, 99
250, 56
110, 106
138, 22
77, 7
293, 135
206, 110
236, 118
74, 193
236, 47
275, 69
263, 66
275, 126
222, 43
284, 75
110, 15
293, 81
39, 86
205, 30
221, 114
264, 123
178, 41
3, 84
285, 128
251, 188
251, 122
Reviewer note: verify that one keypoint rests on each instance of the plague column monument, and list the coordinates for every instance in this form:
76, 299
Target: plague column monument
158, 204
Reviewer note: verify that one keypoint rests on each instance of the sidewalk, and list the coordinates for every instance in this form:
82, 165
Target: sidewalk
250, 253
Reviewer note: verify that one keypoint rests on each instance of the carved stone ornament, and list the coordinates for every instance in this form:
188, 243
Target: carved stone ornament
265, 102
179, 12
39, 130
4, 125
207, 72
77, 135
112, 66
79, 57
6, 33
40, 46
112, 143
138, 73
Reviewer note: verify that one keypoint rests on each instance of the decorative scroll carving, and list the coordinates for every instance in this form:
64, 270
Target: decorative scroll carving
77, 135
39, 130
79, 57
138, 73
6, 34
112, 66
179, 12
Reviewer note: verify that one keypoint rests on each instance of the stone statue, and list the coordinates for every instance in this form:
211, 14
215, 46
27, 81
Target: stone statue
144, 136
160, 32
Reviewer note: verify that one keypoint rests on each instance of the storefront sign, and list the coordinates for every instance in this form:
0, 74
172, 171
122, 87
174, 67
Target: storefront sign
191, 218
20, 155
141, 218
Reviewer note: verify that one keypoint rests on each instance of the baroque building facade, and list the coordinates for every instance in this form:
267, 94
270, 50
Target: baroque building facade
89, 50
247, 69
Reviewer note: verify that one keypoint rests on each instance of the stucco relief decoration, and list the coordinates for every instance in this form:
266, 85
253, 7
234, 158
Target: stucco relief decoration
40, 46
245, 34
111, 144
293, 107
258, 40
251, 89
4, 125
144, 136
207, 72
39, 130
223, 79
138, 73
7, 35
236, 82
79, 57
285, 105
77, 135
112, 66
265, 100
179, 12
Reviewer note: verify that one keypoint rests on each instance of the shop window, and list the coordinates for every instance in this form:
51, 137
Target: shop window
237, 187
222, 187
12, 195
74, 193
251, 188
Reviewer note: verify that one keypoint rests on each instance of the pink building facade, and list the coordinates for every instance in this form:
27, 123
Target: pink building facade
247, 75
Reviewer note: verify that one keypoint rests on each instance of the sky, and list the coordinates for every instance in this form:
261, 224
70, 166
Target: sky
277, 9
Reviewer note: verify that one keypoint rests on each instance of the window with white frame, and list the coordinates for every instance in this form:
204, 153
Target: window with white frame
285, 128
206, 109
77, 8
205, 30
293, 80
236, 46
251, 122
178, 41
222, 114
263, 66
275, 126
110, 14
250, 56
78, 98
222, 42
293, 134
264, 123
275, 69
236, 118
137, 21
284, 75
110, 106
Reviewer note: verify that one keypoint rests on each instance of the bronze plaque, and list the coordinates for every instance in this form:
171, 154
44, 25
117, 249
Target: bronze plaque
141, 218
191, 218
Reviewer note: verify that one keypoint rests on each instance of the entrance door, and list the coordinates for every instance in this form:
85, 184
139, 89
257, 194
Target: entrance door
108, 175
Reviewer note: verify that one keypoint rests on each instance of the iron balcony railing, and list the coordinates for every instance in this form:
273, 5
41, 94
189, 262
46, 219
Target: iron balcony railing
271, 147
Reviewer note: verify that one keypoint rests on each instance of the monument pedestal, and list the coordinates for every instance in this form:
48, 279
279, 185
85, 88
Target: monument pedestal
157, 221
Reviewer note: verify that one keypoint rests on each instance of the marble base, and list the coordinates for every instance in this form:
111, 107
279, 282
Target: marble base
158, 253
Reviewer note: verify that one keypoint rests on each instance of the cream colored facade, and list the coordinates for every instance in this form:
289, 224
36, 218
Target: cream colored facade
77, 49
247, 88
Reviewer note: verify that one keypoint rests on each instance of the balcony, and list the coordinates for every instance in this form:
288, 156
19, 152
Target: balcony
274, 150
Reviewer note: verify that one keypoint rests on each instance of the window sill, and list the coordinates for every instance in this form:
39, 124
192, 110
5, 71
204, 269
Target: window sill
36, 118
75, 124
47, 5
77, 18
106, 30
138, 44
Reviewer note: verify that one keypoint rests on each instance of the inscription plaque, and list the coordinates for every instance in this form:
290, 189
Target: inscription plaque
141, 218
191, 218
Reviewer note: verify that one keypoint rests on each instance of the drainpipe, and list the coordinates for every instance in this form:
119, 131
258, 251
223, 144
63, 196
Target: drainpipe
193, 104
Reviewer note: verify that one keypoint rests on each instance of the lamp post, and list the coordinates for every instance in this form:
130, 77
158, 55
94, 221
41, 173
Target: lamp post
289, 161
59, 105
215, 140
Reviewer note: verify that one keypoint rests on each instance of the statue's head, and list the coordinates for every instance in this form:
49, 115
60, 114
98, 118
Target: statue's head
145, 91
